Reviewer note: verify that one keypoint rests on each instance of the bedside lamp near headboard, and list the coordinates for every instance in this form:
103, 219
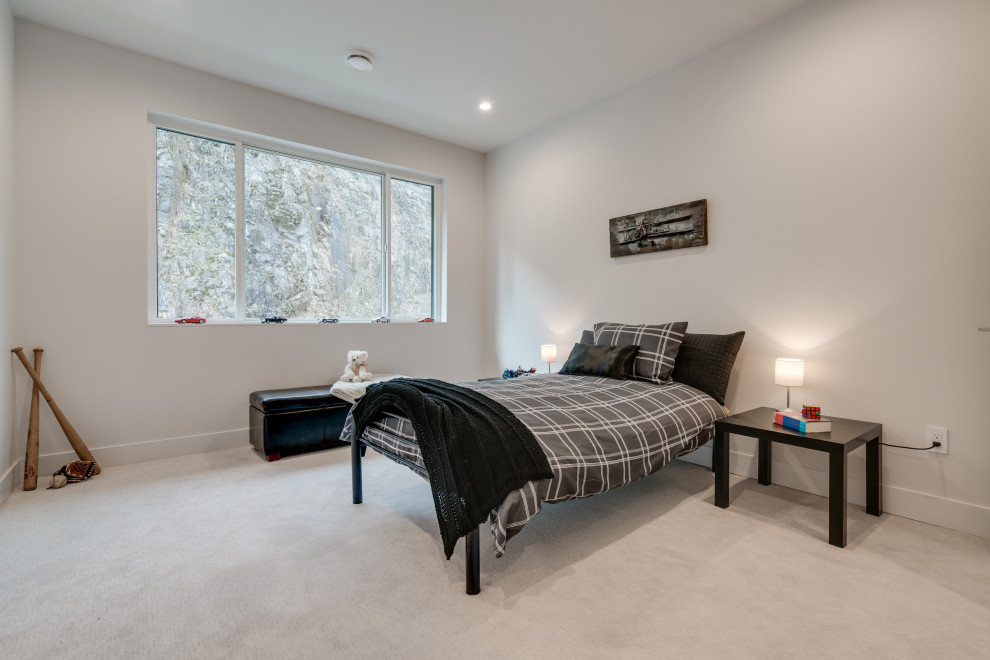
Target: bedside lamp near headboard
548, 353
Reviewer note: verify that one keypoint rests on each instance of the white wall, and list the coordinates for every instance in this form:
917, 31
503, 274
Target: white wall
844, 151
8, 453
82, 151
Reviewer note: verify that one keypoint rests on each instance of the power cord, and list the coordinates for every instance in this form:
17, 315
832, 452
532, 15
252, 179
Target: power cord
934, 445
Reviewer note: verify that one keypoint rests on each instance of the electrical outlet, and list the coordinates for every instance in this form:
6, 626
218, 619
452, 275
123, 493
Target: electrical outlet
938, 434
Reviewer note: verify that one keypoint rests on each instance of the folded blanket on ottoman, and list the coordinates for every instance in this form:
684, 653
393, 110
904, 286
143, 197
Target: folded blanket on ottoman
351, 392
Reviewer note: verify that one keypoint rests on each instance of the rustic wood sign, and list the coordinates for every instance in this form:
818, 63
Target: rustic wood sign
670, 228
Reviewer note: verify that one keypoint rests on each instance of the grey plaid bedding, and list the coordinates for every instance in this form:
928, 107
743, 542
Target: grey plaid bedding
598, 434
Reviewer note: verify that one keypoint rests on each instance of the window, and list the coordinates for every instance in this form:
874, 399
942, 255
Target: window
312, 238
195, 219
247, 228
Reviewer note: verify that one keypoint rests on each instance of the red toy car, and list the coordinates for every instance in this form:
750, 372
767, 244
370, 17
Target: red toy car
426, 320
191, 319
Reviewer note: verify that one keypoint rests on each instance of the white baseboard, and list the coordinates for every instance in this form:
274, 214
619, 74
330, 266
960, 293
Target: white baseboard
7, 481
127, 455
932, 509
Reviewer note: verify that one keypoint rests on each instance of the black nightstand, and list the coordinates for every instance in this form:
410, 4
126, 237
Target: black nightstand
845, 436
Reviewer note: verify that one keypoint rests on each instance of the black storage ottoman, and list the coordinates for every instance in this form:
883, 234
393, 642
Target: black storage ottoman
296, 420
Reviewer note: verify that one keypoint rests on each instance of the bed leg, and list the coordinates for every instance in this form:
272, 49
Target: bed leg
357, 450
472, 563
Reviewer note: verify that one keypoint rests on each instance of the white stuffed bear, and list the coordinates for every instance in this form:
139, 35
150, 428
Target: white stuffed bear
356, 370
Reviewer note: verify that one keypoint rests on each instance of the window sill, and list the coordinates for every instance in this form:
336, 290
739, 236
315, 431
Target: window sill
166, 323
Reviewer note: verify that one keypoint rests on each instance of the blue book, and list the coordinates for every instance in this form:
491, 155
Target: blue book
798, 423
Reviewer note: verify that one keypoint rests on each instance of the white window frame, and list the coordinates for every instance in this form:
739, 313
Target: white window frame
240, 139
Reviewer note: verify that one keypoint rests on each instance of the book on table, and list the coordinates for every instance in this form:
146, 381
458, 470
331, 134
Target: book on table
794, 421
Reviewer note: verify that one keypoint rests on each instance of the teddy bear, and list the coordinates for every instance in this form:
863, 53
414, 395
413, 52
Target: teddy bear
357, 367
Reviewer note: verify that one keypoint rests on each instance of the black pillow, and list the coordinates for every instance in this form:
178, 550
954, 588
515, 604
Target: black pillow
705, 362
605, 361
587, 336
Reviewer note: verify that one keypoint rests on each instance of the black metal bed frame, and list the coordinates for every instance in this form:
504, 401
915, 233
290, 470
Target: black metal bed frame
472, 554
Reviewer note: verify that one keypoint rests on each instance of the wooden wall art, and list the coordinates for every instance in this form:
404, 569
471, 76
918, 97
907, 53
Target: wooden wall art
670, 228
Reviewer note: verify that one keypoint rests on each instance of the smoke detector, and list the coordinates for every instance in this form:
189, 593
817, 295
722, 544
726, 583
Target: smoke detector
359, 60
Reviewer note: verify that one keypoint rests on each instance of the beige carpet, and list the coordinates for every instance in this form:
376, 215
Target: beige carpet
221, 555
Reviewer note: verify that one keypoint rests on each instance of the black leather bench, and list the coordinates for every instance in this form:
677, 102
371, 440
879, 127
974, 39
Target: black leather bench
296, 420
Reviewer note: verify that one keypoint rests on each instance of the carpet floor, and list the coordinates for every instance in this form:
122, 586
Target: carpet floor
222, 555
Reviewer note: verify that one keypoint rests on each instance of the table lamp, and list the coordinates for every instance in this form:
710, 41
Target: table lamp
548, 353
789, 372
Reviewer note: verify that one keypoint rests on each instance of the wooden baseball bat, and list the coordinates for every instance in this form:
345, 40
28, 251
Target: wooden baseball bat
77, 444
31, 453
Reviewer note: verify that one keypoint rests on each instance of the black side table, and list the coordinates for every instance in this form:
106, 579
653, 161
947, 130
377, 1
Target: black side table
845, 436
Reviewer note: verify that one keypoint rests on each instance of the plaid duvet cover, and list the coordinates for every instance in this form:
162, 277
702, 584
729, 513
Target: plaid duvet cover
598, 434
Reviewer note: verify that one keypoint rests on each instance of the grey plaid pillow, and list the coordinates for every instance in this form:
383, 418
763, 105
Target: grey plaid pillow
658, 346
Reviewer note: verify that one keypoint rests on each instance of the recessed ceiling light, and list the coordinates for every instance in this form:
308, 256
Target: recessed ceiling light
485, 105
359, 60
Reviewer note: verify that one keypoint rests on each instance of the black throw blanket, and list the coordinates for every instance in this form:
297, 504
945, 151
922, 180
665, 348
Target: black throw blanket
476, 451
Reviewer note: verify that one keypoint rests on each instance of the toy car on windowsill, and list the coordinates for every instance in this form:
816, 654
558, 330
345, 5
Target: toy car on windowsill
274, 319
382, 319
329, 320
426, 320
191, 319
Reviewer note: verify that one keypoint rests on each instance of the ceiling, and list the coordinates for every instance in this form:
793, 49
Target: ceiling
536, 61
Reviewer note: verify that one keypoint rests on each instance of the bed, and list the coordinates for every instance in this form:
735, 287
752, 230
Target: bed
598, 432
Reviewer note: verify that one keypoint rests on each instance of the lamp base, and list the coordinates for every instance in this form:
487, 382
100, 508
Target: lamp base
788, 409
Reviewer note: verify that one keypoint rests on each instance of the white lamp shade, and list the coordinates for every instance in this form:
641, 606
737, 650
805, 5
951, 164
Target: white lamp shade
789, 371
548, 352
